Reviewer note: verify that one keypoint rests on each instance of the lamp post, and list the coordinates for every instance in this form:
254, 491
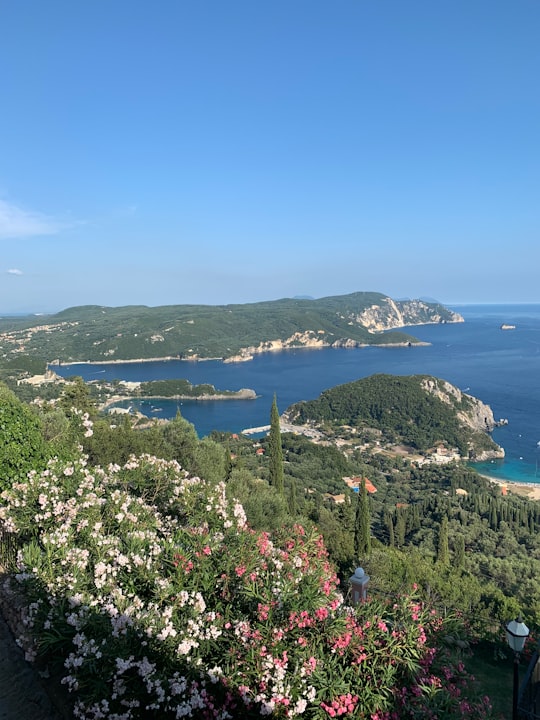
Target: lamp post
516, 635
359, 582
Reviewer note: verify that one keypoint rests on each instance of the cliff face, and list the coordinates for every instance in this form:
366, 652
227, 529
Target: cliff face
99, 334
307, 339
416, 411
470, 411
390, 314
384, 314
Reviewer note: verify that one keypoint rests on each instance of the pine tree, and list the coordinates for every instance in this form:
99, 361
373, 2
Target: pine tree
443, 554
362, 525
275, 449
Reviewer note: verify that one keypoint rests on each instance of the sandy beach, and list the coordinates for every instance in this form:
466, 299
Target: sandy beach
528, 490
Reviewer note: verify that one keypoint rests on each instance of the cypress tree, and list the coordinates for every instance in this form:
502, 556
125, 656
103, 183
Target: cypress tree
293, 501
459, 552
443, 554
400, 529
276, 450
362, 525
388, 521
228, 462
493, 519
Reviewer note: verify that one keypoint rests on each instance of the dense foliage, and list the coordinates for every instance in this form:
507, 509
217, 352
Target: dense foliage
104, 333
470, 550
275, 448
398, 407
22, 445
178, 388
156, 600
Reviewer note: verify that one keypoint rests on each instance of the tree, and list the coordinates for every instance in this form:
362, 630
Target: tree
400, 529
180, 441
275, 450
292, 499
210, 461
362, 525
443, 554
389, 523
76, 394
22, 445
459, 552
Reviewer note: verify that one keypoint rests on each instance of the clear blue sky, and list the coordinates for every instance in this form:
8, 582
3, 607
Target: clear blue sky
214, 152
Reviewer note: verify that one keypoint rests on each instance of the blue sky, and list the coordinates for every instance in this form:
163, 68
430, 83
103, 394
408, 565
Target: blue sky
218, 152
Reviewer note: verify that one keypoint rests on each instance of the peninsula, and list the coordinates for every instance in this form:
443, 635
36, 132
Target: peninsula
228, 332
169, 390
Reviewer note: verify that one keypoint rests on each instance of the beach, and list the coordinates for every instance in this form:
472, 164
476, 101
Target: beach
528, 490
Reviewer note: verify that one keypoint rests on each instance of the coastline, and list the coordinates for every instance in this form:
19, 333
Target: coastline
244, 394
167, 358
530, 490
241, 357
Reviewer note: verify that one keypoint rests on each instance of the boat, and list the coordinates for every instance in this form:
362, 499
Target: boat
505, 326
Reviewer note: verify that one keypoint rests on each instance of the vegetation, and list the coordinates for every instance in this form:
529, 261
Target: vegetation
275, 450
362, 525
147, 575
180, 388
400, 409
22, 445
153, 598
187, 331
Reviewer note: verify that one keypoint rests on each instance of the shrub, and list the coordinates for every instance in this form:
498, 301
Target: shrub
161, 602
22, 446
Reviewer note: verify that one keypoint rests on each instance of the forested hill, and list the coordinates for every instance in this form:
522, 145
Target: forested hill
97, 333
418, 410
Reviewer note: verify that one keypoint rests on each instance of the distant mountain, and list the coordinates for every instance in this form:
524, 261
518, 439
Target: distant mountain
230, 332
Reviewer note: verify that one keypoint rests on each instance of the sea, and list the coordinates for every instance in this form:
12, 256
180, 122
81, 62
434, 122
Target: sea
500, 367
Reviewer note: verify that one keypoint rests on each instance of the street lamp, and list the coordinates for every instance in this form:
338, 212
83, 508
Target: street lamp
516, 635
359, 582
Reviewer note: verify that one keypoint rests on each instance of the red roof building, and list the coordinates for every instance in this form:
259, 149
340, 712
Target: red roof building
355, 483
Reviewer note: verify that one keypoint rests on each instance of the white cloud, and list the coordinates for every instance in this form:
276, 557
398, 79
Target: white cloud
16, 222
14, 271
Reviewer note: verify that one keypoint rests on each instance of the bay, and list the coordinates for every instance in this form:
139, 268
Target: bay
500, 367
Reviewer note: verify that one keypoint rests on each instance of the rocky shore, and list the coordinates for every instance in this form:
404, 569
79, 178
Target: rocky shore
249, 353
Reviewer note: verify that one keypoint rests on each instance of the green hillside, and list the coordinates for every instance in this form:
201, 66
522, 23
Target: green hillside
401, 409
184, 583
215, 331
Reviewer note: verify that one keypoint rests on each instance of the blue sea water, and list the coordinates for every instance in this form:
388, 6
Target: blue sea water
501, 367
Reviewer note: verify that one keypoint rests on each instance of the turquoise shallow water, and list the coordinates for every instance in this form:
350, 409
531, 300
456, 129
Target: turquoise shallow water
501, 367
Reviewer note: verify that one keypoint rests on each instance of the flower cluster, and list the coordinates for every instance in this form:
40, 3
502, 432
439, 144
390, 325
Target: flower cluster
162, 602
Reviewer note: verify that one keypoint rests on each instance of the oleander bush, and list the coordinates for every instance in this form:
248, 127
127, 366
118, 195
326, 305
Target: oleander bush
155, 599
